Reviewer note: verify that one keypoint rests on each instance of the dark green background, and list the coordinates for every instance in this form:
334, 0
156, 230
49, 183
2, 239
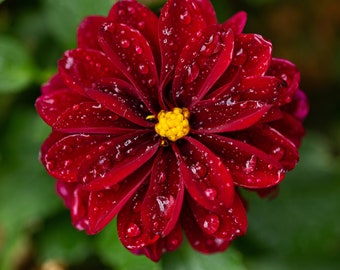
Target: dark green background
300, 229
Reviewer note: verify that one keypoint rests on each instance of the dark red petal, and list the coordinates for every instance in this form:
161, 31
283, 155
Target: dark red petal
249, 166
63, 158
272, 142
92, 118
82, 69
290, 127
205, 176
139, 17
226, 116
116, 100
48, 143
201, 63
87, 35
199, 240
179, 22
167, 244
104, 205
252, 54
299, 106
226, 225
288, 73
163, 201
56, 83
76, 199
50, 106
236, 22
130, 228
268, 89
131, 53
116, 159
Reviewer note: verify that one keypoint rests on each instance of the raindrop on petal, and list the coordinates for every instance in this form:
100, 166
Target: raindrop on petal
133, 230
125, 43
185, 17
193, 72
210, 193
199, 170
250, 165
143, 69
211, 223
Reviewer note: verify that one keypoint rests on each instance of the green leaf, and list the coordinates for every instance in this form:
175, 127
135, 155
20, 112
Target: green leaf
187, 258
16, 68
64, 16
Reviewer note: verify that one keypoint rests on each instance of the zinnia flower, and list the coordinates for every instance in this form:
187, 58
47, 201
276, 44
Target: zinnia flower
160, 121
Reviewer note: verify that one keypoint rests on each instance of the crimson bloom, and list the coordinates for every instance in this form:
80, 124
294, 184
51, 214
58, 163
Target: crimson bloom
160, 121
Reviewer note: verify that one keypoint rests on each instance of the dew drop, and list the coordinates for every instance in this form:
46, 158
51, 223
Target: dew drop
121, 12
185, 17
161, 177
250, 165
75, 107
199, 170
131, 10
68, 163
278, 153
133, 230
288, 99
211, 223
125, 43
210, 193
138, 49
165, 205
193, 72
100, 195
137, 207
143, 69
141, 24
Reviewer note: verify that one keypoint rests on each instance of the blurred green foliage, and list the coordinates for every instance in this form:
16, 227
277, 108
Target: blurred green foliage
297, 230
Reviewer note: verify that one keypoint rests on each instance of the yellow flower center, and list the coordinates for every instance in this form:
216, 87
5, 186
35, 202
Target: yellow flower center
173, 124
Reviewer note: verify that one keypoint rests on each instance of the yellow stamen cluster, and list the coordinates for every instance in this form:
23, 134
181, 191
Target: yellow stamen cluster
173, 124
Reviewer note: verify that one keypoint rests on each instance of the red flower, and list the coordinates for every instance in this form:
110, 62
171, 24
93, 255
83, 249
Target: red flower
158, 121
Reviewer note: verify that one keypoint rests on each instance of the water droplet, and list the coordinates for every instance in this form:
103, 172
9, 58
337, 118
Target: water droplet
211, 223
100, 195
141, 24
161, 177
131, 10
138, 49
288, 99
185, 17
118, 156
75, 107
125, 43
88, 157
165, 204
143, 69
193, 72
199, 170
133, 230
121, 12
131, 152
210, 193
137, 207
68, 163
278, 153
250, 165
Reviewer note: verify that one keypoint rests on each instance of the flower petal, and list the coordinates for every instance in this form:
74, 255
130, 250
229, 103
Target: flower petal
131, 53
50, 106
82, 69
201, 63
290, 127
205, 176
226, 225
116, 99
199, 240
226, 116
272, 142
141, 18
130, 228
299, 107
181, 20
169, 243
76, 199
92, 118
88, 32
236, 22
64, 156
163, 201
56, 83
288, 72
249, 166
267, 89
104, 205
252, 54
116, 159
